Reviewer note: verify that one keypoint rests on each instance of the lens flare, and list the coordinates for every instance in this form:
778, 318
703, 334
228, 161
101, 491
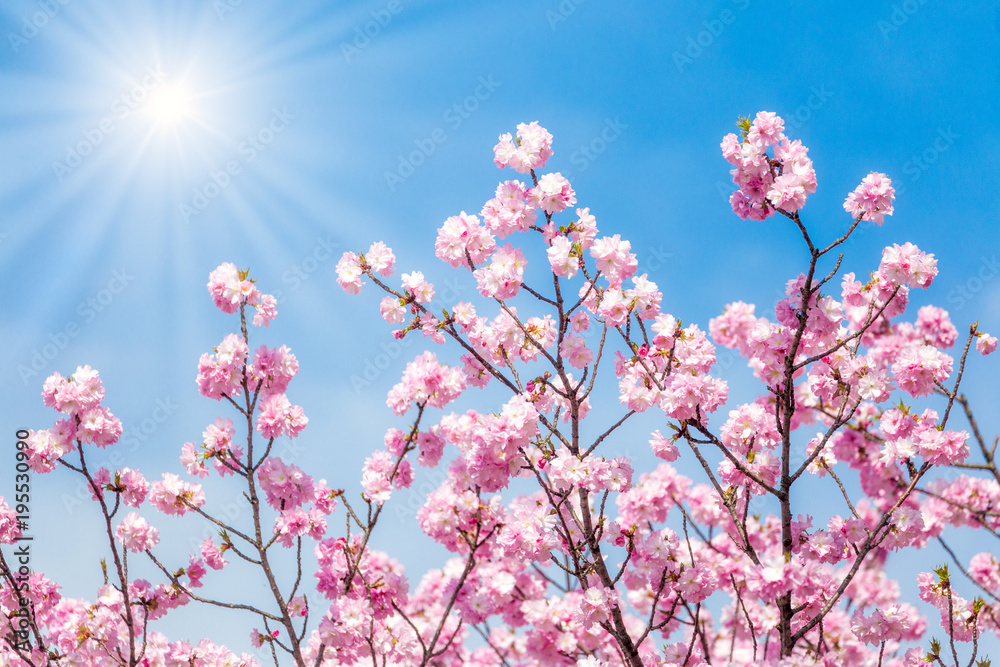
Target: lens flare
170, 103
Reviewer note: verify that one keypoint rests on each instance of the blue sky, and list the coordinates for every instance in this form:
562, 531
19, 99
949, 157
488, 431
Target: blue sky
305, 121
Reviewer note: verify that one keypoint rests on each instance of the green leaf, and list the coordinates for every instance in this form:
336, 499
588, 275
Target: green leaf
744, 125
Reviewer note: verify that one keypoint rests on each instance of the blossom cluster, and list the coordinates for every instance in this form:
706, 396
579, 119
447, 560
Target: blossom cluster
426, 381
78, 397
230, 288
584, 560
767, 184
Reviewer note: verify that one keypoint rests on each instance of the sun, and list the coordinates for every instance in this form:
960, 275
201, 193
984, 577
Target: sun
170, 104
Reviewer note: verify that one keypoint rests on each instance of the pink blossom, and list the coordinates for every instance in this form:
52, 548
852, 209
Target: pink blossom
795, 161
742, 206
872, 199
272, 370
907, 265
465, 315
174, 496
426, 381
195, 571
766, 129
81, 392
596, 606
895, 623
47, 446
50, 387
267, 310
510, 211
663, 448
99, 426
563, 263
575, 351
644, 297
213, 554
297, 606
532, 149
841, 352
614, 258
918, 367
503, 276
731, 148
985, 571
614, 308
787, 193
295, 523
349, 273
986, 344
380, 259
101, 480
936, 327
325, 499
552, 194
375, 477
393, 310
460, 235
136, 534
580, 321
229, 287
193, 461
221, 374
285, 485
539, 334
277, 416
505, 152
583, 230
941, 447
853, 291
431, 446
475, 373
132, 485
415, 284
665, 328
10, 529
